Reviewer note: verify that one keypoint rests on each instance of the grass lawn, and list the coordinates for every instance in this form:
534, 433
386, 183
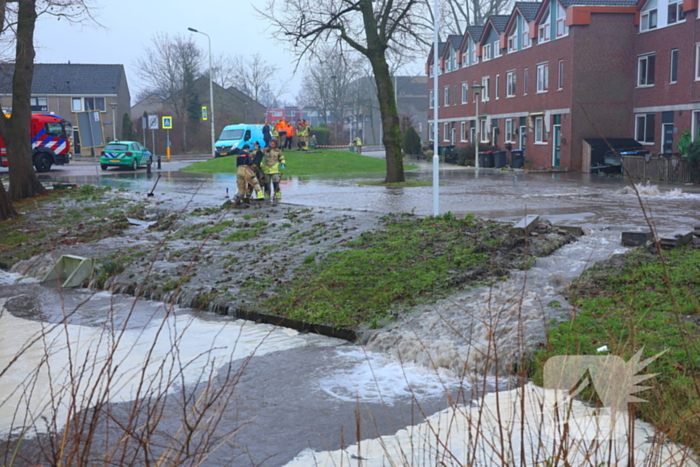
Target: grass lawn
320, 162
629, 304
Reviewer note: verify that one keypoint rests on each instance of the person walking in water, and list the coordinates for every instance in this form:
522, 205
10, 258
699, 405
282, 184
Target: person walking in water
245, 175
272, 163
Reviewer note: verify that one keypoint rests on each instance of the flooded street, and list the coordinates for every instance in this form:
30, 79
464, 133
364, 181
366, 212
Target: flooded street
288, 394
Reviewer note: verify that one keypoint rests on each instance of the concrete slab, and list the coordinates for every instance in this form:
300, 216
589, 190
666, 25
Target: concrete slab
636, 238
71, 270
676, 239
574, 230
526, 225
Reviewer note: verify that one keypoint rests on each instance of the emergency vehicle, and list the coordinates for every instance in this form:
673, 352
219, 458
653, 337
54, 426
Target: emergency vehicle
50, 142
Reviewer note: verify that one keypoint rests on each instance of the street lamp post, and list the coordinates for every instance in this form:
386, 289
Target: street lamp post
211, 93
436, 158
477, 88
113, 105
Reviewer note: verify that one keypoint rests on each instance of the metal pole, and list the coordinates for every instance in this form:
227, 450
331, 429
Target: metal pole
211, 94
153, 138
436, 158
114, 126
478, 136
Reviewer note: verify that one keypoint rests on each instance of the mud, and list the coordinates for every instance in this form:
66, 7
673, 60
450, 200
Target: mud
230, 259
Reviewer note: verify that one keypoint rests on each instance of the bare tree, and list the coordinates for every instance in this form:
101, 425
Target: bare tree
371, 27
17, 21
168, 68
456, 15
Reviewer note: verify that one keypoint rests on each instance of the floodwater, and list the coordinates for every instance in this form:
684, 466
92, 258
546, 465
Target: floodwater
304, 395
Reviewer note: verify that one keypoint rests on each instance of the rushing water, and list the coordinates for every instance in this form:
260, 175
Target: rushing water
309, 394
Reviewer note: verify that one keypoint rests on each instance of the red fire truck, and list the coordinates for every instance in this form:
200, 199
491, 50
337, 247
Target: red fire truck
50, 142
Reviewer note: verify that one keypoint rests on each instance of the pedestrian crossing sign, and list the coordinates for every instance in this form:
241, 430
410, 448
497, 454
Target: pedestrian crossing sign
204, 113
167, 123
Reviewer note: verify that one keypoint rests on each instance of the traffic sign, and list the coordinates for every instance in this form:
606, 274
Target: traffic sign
153, 122
167, 123
204, 113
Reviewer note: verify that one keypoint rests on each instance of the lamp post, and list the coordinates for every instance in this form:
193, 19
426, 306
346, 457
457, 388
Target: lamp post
477, 88
113, 105
211, 93
436, 158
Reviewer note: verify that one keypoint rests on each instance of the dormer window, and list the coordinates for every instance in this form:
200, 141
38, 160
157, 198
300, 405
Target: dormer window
675, 12
544, 28
526, 36
452, 60
649, 16
562, 28
513, 41
474, 59
486, 53
496, 48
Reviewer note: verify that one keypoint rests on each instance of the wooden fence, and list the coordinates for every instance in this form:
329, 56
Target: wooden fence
661, 167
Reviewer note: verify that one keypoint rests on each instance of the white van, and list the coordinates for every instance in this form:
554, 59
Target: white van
234, 137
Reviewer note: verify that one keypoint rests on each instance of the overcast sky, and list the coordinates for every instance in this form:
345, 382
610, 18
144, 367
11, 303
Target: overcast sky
128, 26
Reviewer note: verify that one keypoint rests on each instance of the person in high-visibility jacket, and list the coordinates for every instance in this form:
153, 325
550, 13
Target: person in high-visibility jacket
290, 137
302, 134
282, 131
245, 174
273, 162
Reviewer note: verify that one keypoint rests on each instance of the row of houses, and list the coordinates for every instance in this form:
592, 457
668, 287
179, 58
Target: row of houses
67, 88
552, 74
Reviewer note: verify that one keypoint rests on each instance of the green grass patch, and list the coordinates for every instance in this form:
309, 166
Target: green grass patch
406, 262
626, 304
321, 162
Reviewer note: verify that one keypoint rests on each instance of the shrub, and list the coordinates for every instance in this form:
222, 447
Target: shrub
684, 143
411, 142
323, 135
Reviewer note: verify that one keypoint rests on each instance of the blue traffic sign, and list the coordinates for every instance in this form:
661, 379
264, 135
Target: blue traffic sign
167, 123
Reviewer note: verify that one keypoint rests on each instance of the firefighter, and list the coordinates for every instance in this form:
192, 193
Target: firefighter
290, 137
245, 175
357, 142
273, 162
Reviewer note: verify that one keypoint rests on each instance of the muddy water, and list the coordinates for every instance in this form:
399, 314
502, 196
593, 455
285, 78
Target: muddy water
305, 393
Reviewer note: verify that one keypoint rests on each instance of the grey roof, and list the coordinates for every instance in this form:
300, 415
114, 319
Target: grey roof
475, 32
67, 78
441, 49
499, 22
528, 9
568, 3
455, 41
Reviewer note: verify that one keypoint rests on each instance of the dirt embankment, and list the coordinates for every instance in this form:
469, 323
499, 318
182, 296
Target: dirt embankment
231, 260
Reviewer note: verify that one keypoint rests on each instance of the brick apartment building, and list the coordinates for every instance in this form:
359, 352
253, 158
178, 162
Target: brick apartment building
560, 71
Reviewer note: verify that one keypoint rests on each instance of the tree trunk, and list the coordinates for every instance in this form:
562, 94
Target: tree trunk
17, 129
7, 211
390, 121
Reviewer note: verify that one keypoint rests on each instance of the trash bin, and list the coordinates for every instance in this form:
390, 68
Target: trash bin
499, 159
517, 159
486, 159
351, 148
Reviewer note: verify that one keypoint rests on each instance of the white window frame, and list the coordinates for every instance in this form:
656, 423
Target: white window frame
540, 130
497, 48
39, 101
79, 107
562, 30
446, 96
465, 93
509, 130
695, 124
560, 80
486, 53
511, 83
697, 61
452, 60
513, 40
463, 131
486, 83
446, 131
649, 18
525, 81
526, 42
544, 28
643, 70
542, 77
644, 139
673, 79
675, 12
483, 131
498, 87
431, 99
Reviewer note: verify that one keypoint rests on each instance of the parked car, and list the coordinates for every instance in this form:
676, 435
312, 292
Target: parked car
125, 154
234, 137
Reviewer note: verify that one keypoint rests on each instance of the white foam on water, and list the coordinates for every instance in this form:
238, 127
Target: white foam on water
647, 190
11, 278
35, 360
372, 377
507, 428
